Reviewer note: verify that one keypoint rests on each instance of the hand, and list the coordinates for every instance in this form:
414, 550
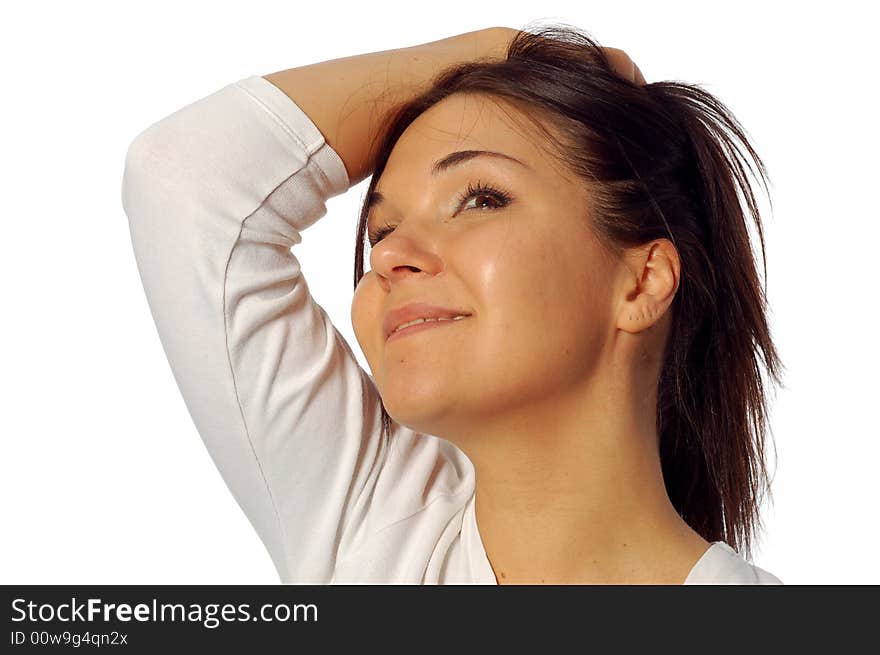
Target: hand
621, 62
624, 66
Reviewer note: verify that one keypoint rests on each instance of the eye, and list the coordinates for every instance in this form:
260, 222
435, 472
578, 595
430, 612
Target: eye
479, 190
378, 235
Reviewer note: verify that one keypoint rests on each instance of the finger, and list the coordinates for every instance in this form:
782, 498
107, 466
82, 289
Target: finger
624, 66
638, 78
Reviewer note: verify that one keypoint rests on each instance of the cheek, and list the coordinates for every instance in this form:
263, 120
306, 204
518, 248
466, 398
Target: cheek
514, 293
543, 305
366, 307
527, 278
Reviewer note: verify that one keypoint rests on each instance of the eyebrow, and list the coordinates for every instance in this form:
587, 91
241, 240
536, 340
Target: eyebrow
449, 161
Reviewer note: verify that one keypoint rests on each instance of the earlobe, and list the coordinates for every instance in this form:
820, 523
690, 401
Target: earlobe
642, 315
644, 318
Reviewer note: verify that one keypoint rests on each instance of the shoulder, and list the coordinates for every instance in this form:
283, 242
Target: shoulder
721, 564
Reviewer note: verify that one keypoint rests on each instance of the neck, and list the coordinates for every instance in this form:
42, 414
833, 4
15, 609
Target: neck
572, 492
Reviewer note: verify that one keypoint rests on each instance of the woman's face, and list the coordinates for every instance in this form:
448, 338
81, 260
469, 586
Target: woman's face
529, 272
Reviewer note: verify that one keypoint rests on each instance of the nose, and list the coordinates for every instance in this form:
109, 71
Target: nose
408, 251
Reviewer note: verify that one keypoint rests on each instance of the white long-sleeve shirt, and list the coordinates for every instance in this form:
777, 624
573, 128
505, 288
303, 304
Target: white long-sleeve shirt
216, 195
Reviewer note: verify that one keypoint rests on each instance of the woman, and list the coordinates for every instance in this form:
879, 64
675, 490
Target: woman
583, 407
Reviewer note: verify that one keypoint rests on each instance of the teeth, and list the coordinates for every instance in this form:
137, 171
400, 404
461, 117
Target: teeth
425, 320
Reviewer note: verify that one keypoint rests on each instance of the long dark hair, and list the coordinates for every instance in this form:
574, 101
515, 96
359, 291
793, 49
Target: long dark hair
662, 160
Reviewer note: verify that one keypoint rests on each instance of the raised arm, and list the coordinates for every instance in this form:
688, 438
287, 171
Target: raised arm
217, 194
348, 98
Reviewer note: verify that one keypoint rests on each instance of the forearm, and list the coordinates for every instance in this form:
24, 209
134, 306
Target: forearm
349, 98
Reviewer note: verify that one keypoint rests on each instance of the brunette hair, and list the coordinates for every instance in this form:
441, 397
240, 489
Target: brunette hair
662, 160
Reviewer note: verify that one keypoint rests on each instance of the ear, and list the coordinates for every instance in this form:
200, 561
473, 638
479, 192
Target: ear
651, 279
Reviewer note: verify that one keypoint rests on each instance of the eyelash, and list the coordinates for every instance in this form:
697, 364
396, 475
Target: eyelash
480, 189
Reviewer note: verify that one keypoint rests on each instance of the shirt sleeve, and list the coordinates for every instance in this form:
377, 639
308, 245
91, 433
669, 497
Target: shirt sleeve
216, 196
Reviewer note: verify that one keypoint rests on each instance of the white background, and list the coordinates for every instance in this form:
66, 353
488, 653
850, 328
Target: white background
104, 478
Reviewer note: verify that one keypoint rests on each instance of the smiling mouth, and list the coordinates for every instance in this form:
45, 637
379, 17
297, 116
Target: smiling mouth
420, 325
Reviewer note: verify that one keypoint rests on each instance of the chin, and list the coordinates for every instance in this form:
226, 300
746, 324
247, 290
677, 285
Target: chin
415, 415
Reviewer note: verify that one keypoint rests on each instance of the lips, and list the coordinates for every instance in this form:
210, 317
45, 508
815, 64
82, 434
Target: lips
413, 311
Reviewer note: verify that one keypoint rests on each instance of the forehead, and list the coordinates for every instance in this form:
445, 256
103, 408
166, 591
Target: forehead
467, 121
